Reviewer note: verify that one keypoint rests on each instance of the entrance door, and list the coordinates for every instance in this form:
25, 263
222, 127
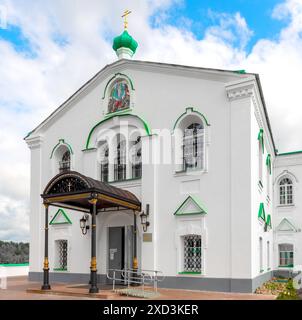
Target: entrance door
116, 250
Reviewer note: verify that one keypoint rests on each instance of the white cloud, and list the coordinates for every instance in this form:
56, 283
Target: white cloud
31, 86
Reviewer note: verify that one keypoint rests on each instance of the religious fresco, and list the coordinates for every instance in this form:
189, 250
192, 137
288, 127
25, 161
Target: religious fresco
119, 97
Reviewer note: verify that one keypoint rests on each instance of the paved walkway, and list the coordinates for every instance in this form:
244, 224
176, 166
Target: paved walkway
19, 288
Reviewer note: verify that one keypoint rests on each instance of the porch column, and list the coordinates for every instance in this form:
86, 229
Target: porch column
135, 260
93, 265
46, 285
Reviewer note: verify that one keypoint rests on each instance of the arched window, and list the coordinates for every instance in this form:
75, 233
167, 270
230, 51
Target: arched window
64, 164
105, 164
286, 191
137, 159
120, 159
193, 147
286, 255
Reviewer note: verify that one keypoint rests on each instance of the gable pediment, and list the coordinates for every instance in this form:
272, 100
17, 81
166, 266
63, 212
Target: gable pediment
191, 206
60, 218
286, 226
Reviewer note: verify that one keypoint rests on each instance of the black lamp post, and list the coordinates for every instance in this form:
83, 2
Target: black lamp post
83, 224
144, 218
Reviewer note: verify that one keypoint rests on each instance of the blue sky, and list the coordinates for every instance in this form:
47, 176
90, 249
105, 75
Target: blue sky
201, 15
194, 15
50, 48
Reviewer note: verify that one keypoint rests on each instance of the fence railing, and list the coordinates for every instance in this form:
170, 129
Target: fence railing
136, 277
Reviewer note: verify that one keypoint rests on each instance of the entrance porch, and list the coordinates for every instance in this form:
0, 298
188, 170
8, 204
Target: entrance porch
72, 190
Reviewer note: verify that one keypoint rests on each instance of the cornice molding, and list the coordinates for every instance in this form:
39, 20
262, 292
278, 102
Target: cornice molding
35, 142
248, 88
240, 89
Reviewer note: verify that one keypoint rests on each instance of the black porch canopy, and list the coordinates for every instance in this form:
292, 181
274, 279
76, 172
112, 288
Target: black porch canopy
75, 191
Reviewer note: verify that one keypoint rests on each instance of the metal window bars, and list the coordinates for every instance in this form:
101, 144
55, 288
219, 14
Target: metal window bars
62, 251
104, 171
193, 149
192, 253
64, 166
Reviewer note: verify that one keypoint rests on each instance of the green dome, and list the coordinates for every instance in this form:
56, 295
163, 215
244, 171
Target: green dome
125, 41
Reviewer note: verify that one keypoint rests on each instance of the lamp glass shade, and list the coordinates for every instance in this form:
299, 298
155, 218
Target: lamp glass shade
143, 218
83, 223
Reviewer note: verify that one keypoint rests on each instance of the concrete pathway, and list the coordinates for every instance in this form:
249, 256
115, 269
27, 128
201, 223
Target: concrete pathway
19, 288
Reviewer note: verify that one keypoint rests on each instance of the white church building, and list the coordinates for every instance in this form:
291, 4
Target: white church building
154, 166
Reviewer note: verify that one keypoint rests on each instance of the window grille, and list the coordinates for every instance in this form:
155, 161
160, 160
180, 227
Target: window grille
286, 255
193, 147
120, 162
105, 167
64, 165
137, 160
192, 253
286, 191
62, 254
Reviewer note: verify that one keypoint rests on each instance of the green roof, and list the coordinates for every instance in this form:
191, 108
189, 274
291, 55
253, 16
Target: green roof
261, 212
269, 221
124, 41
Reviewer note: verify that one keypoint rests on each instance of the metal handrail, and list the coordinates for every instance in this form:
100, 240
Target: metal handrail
136, 276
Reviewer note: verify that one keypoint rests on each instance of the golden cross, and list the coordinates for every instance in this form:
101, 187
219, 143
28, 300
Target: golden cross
125, 16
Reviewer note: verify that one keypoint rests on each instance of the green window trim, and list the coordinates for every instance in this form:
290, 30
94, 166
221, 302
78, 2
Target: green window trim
118, 75
287, 266
14, 264
145, 124
117, 113
269, 163
261, 139
192, 110
261, 212
189, 272
60, 211
90, 149
60, 269
61, 142
198, 204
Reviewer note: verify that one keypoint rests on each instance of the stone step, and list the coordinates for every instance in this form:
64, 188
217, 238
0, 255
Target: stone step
104, 295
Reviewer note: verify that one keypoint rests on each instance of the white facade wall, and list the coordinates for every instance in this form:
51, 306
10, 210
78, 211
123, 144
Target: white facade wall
228, 187
288, 166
